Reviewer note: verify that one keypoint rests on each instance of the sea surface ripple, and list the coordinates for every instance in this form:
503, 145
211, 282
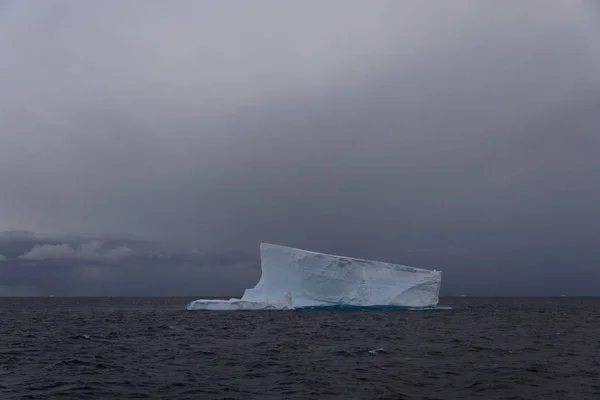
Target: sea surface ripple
136, 348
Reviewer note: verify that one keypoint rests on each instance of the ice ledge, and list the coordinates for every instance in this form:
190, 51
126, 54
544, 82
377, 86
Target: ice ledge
239, 304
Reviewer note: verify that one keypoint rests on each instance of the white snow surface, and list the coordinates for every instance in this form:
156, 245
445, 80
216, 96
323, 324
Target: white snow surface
294, 278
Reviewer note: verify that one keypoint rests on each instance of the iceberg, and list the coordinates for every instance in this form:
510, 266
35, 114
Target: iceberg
301, 279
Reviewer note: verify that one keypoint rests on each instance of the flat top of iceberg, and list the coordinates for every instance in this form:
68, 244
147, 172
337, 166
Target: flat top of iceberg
266, 246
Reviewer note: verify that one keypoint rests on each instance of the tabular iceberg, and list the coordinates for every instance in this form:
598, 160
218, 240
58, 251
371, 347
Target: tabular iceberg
294, 279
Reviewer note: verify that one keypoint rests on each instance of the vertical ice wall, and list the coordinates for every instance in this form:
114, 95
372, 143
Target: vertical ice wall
315, 279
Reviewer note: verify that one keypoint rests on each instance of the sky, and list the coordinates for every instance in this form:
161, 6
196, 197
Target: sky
458, 135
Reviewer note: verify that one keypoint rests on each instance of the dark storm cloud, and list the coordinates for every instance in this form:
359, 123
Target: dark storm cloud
136, 277
374, 129
78, 267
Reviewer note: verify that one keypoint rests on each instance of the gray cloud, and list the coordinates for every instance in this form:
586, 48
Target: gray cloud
76, 266
372, 129
85, 251
17, 291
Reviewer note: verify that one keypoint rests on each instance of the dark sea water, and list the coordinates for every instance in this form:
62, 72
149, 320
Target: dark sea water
135, 348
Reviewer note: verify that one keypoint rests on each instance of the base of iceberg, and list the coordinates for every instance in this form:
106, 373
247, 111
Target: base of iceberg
240, 305
295, 279
365, 308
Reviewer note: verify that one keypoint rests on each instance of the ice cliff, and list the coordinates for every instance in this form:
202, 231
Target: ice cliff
293, 278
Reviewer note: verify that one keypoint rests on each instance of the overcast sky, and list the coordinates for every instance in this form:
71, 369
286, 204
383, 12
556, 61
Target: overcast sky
369, 127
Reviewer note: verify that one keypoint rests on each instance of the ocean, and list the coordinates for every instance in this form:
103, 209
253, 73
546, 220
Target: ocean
151, 348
